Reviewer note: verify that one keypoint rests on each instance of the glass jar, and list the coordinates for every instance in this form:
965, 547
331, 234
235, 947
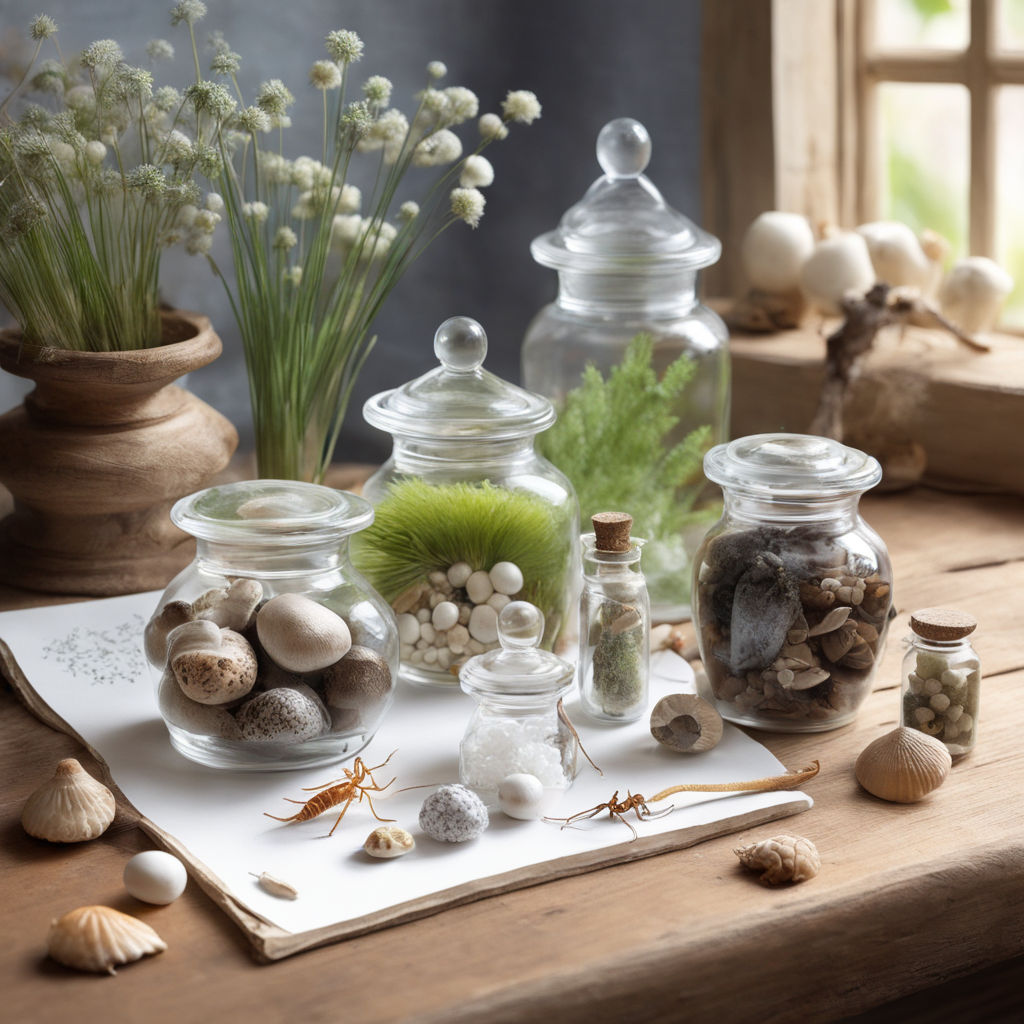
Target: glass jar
469, 516
627, 265
792, 589
516, 726
615, 623
273, 652
941, 679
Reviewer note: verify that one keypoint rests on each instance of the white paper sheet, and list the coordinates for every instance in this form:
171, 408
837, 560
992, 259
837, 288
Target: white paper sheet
86, 663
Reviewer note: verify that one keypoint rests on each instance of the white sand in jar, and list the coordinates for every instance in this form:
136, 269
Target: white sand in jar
495, 749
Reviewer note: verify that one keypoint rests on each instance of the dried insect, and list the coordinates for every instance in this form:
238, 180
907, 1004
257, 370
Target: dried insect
353, 787
638, 803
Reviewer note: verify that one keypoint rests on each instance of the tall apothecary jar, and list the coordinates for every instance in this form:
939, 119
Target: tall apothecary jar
627, 265
273, 651
792, 589
469, 516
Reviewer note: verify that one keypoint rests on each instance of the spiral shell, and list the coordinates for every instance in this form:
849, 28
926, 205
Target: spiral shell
903, 766
69, 808
98, 938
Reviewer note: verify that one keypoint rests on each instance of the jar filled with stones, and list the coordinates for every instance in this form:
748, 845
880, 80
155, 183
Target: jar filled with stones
941, 679
272, 651
792, 589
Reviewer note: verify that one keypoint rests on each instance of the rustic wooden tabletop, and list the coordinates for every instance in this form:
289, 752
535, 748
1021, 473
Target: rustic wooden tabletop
915, 916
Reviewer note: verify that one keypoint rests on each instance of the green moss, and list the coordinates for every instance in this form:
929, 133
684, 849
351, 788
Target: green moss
420, 527
618, 679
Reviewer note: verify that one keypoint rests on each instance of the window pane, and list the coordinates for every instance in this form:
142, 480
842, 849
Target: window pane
1010, 25
926, 158
922, 24
1009, 209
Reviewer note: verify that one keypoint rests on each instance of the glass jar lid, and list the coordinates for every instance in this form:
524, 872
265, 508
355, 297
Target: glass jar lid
286, 512
791, 466
623, 224
459, 399
518, 668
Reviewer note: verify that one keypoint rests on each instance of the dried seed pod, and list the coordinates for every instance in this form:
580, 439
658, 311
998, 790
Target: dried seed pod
388, 842
833, 620
70, 808
276, 886
783, 858
686, 723
903, 766
98, 938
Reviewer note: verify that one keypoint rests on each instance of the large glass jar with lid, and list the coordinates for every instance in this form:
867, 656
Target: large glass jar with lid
792, 589
273, 652
627, 266
468, 516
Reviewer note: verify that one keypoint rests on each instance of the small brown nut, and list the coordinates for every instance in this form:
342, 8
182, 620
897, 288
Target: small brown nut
686, 723
388, 842
783, 858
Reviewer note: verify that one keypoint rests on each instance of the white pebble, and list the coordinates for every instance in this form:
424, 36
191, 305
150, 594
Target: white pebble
423, 615
916, 684
951, 731
458, 637
966, 722
430, 656
923, 715
939, 701
475, 647
483, 624
421, 644
521, 796
465, 610
444, 658
459, 573
435, 599
405, 650
932, 685
506, 578
446, 615
155, 877
498, 601
954, 712
416, 658
954, 677
427, 632
478, 587
408, 628
437, 578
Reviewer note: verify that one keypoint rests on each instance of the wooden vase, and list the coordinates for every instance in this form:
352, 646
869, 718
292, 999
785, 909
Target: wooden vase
97, 454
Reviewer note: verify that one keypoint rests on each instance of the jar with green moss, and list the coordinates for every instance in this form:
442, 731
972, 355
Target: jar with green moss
468, 516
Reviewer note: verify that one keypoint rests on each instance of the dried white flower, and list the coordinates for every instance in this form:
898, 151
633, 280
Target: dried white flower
462, 104
274, 97
50, 77
307, 206
325, 74
104, 53
210, 98
199, 244
377, 90
275, 168
442, 147
357, 120
307, 173
215, 202
492, 127
189, 11
344, 46
256, 212
159, 49
95, 152
521, 106
348, 199
408, 211
285, 239
81, 99
388, 132
477, 172
378, 236
187, 215
147, 179
166, 98
253, 119
225, 62
345, 230
178, 147
42, 26
437, 69
205, 220
468, 205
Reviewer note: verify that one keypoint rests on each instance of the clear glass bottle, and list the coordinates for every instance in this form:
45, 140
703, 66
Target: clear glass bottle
941, 679
516, 726
792, 589
615, 623
469, 515
258, 540
627, 264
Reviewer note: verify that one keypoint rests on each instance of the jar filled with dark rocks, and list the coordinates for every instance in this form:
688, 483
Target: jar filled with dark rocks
272, 651
792, 589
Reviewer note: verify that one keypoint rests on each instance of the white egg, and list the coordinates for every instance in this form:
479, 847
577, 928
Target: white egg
155, 877
521, 796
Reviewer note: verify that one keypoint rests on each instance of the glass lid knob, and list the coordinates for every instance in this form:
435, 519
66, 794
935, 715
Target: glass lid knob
623, 148
520, 626
460, 344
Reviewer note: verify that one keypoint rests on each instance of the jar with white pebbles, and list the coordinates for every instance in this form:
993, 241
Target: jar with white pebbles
272, 651
517, 727
941, 678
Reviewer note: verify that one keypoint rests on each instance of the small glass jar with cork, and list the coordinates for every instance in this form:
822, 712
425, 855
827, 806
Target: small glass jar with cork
941, 678
615, 621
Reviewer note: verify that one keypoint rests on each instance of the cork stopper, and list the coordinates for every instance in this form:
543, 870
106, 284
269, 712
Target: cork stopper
611, 530
942, 624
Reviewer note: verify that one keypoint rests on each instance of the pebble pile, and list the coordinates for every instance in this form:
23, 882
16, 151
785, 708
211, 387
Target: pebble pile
941, 699
454, 614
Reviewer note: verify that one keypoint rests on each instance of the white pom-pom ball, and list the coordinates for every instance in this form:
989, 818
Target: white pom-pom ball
973, 293
774, 249
839, 265
896, 254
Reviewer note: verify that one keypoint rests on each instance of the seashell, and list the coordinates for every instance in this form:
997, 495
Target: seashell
860, 656
685, 723
784, 858
301, 635
388, 842
833, 620
98, 938
70, 808
235, 607
283, 715
836, 644
903, 766
805, 680
212, 665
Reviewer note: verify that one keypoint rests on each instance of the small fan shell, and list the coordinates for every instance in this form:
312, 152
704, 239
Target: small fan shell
99, 938
903, 766
69, 808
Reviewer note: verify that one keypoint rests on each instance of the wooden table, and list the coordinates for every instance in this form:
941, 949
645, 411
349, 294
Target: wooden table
909, 897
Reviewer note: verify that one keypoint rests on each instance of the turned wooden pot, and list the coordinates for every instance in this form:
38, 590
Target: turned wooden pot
97, 454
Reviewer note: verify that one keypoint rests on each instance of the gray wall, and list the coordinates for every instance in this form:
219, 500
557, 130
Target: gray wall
588, 61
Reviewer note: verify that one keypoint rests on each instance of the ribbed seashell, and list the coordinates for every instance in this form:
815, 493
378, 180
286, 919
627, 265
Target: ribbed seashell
903, 766
69, 808
99, 938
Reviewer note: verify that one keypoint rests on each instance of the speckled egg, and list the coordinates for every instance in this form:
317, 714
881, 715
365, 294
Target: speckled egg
282, 715
453, 814
155, 877
521, 796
